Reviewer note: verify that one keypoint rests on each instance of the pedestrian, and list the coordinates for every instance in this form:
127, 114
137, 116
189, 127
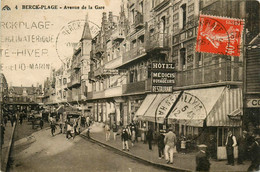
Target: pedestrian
107, 132
114, 129
183, 144
12, 120
124, 138
133, 137
21, 119
170, 145
212, 146
41, 123
255, 155
88, 121
5, 120
230, 144
69, 129
202, 160
160, 143
149, 137
53, 127
242, 147
2, 134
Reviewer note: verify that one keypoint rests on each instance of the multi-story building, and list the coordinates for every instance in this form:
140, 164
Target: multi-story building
80, 64
207, 95
24, 98
49, 89
3, 94
127, 45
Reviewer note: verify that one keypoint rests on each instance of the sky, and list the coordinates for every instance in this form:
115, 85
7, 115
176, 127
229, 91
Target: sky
35, 40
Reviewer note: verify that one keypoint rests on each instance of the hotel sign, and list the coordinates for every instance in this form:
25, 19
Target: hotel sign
163, 77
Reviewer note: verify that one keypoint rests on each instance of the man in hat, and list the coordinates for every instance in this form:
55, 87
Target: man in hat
255, 154
170, 143
202, 161
230, 144
242, 147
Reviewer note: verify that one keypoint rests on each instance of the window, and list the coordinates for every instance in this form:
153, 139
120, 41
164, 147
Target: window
190, 58
176, 17
176, 7
133, 15
183, 7
175, 27
141, 7
64, 94
183, 56
190, 21
191, 8
64, 81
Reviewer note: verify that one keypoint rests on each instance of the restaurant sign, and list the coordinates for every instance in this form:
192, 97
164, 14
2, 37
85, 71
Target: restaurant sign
163, 77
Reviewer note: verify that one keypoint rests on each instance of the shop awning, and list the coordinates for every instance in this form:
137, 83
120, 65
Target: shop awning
226, 108
218, 106
194, 106
160, 107
144, 106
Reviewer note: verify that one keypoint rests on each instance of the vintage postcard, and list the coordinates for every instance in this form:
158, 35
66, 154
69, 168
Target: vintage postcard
130, 85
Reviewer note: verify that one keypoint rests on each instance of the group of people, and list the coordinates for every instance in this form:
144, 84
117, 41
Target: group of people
70, 128
127, 133
248, 147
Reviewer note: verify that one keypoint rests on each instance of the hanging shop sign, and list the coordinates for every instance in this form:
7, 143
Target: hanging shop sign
253, 103
219, 35
110, 72
163, 77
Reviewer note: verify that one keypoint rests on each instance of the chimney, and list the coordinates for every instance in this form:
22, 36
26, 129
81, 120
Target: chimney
110, 17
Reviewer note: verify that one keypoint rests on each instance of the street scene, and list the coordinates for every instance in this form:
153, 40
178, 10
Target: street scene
131, 85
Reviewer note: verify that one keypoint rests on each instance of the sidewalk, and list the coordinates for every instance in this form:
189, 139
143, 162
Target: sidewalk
7, 145
182, 162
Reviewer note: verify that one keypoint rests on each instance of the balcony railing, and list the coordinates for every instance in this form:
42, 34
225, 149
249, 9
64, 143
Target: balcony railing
98, 94
117, 36
98, 71
134, 53
89, 95
137, 87
217, 73
139, 22
74, 80
114, 63
99, 48
157, 41
114, 91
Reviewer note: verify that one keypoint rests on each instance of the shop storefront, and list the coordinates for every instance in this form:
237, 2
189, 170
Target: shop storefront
197, 113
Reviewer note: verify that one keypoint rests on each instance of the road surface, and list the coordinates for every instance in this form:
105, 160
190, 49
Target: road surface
41, 152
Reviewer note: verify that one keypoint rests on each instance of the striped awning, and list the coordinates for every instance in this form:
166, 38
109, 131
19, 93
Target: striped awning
160, 107
194, 106
144, 106
229, 102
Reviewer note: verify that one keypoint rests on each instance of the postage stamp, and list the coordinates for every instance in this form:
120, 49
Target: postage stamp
219, 35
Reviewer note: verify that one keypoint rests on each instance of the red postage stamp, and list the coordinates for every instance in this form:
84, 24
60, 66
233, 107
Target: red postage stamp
219, 35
